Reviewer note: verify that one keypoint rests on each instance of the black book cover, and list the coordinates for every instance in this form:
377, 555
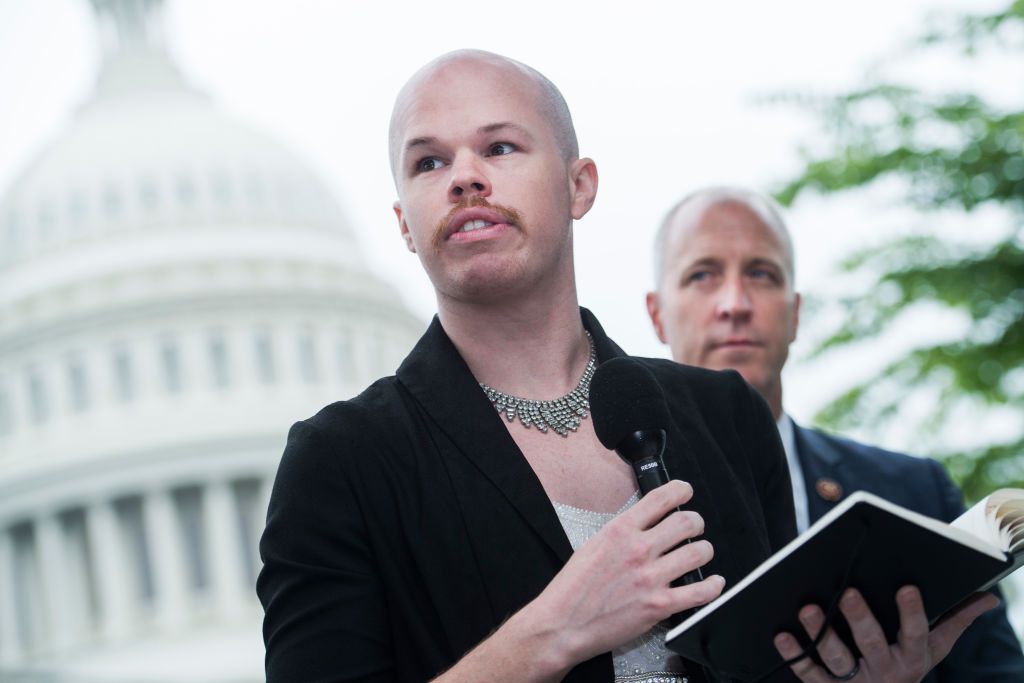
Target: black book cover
866, 543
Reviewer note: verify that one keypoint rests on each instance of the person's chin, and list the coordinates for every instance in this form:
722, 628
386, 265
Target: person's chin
494, 281
732, 354
749, 362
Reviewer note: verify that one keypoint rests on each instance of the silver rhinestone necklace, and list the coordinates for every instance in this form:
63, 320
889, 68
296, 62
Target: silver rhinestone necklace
562, 415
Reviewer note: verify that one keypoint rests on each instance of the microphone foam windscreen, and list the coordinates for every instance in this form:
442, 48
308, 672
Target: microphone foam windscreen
625, 398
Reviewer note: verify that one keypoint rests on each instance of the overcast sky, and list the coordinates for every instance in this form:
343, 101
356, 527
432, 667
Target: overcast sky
666, 98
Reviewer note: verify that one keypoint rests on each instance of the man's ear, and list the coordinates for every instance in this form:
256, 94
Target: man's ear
654, 310
583, 185
403, 227
796, 317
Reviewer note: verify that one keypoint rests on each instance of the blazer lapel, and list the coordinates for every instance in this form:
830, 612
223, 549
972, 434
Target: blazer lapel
823, 472
440, 381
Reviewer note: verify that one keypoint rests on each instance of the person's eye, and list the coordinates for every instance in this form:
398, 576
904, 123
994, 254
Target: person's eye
500, 149
765, 274
698, 276
428, 164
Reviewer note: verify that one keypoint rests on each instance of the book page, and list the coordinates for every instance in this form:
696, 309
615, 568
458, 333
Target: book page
998, 519
976, 522
1006, 508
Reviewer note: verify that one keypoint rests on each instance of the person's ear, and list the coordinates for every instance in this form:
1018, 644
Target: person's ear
654, 310
796, 317
583, 186
403, 227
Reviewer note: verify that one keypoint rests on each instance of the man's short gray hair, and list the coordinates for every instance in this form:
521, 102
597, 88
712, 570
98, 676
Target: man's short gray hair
703, 199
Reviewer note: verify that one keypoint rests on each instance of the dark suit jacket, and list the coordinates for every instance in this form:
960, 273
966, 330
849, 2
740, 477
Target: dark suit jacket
405, 525
989, 651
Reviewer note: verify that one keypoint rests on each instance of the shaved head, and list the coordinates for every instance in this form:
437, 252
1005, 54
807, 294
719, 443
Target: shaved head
549, 100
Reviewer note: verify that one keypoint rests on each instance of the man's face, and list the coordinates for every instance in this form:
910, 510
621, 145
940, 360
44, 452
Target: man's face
486, 198
726, 298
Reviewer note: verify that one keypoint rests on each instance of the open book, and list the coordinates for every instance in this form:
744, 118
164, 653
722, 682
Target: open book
867, 543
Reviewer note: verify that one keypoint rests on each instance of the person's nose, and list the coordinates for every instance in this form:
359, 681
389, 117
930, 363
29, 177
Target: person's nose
733, 300
468, 178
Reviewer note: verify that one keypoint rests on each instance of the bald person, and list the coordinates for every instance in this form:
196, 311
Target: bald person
414, 533
725, 298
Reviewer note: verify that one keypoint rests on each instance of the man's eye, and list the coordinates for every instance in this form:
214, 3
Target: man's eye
500, 149
428, 164
698, 276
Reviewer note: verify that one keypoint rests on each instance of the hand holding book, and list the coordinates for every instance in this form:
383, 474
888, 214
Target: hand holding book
915, 653
878, 548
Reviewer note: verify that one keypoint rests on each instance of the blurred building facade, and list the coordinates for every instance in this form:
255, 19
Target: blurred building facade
175, 290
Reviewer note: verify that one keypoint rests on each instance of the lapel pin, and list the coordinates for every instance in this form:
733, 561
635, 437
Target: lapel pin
828, 489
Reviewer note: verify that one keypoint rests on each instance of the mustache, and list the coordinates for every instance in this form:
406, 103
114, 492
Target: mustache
507, 213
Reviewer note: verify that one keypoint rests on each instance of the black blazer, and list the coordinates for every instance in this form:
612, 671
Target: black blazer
405, 525
989, 651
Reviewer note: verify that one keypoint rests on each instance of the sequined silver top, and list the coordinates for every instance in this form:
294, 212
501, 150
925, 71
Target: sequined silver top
646, 659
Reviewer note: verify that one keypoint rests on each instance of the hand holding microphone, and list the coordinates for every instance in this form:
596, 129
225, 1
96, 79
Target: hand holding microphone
624, 579
630, 415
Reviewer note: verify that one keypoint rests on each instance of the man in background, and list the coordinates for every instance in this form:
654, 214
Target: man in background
725, 298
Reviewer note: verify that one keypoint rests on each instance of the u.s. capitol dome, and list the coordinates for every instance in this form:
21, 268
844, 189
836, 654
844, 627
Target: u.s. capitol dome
175, 289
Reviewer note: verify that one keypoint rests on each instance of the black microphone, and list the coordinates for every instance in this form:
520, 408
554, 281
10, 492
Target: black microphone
629, 414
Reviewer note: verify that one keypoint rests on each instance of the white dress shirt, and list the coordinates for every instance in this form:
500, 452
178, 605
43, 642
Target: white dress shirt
796, 475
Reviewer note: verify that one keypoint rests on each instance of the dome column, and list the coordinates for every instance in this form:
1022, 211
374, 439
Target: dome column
61, 610
10, 645
226, 552
168, 559
112, 577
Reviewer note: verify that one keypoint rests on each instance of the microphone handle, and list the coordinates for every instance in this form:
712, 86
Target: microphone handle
650, 474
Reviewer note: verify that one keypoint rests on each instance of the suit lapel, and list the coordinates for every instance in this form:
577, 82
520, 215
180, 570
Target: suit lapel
822, 468
441, 382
